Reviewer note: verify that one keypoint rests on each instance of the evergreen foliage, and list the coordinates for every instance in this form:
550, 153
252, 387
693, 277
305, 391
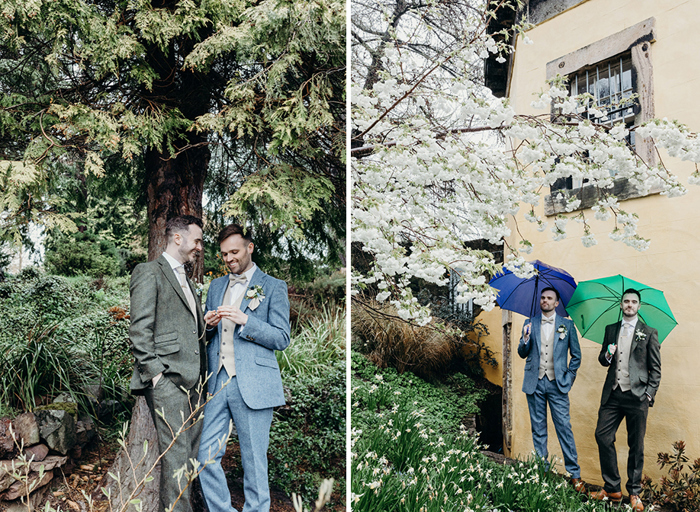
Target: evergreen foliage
84, 83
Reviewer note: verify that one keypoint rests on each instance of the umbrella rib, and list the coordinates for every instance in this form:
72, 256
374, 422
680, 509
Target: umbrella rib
597, 318
514, 289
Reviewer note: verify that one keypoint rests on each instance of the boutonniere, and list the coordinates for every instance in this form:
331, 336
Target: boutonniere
562, 331
640, 335
199, 289
256, 295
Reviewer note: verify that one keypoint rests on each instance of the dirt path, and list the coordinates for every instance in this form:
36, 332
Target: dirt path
66, 490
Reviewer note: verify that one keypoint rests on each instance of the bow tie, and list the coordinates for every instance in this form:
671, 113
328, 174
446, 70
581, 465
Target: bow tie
235, 279
547, 320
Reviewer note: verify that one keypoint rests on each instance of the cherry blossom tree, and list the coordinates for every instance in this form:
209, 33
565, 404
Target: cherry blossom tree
438, 160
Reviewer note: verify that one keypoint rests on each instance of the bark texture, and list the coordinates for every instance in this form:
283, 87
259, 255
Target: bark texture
132, 465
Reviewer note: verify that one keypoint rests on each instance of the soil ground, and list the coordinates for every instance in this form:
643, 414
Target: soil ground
66, 489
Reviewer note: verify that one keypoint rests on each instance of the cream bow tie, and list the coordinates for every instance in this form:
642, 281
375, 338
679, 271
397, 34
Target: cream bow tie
234, 279
547, 320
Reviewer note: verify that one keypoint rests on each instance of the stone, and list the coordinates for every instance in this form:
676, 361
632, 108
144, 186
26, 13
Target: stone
64, 398
20, 466
19, 488
20, 506
76, 452
38, 452
8, 448
57, 428
108, 409
6, 479
85, 430
94, 391
26, 428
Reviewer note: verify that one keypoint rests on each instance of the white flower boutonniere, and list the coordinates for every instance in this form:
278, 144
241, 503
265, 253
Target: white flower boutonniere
562, 331
256, 295
199, 288
639, 334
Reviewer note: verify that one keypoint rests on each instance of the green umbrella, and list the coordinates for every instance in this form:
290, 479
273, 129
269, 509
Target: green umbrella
596, 304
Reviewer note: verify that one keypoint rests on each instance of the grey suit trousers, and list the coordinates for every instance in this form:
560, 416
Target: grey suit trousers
622, 405
175, 403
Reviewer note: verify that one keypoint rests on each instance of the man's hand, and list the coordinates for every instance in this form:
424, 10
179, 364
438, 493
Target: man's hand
233, 313
526, 332
156, 379
610, 352
212, 318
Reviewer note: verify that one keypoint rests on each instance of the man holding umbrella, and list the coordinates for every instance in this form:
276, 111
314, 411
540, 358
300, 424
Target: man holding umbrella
546, 342
631, 353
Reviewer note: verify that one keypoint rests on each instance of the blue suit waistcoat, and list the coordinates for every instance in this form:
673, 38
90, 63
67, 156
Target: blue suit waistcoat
564, 369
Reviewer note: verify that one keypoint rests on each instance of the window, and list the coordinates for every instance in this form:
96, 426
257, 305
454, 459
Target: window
610, 83
610, 70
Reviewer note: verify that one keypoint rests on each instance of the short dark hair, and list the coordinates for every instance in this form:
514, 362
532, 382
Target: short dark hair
631, 290
235, 229
181, 223
548, 288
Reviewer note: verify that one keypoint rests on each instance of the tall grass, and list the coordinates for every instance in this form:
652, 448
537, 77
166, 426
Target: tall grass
58, 335
316, 345
398, 463
387, 340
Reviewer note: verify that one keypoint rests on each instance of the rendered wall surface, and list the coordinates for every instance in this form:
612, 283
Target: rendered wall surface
673, 225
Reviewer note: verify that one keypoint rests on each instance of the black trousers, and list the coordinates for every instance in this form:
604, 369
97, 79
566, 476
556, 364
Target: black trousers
622, 405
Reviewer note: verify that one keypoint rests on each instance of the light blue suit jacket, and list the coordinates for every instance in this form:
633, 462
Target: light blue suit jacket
266, 330
564, 369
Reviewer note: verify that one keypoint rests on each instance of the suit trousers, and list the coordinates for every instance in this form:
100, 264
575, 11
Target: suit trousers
253, 430
174, 403
546, 392
622, 404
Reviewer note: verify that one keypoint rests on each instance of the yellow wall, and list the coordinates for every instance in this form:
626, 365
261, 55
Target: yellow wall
673, 225
494, 341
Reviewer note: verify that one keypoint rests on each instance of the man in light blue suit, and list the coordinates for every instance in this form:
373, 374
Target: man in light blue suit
247, 315
546, 342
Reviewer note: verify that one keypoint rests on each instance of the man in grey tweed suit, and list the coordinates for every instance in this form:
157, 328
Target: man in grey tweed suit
167, 338
247, 316
631, 351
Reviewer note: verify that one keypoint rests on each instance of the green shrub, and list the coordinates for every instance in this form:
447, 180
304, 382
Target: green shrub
307, 438
58, 334
444, 405
315, 344
84, 254
680, 489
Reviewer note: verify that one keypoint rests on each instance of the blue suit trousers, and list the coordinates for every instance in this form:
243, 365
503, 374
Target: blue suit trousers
253, 429
548, 392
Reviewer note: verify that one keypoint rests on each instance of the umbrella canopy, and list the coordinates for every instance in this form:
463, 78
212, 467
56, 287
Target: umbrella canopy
596, 304
523, 295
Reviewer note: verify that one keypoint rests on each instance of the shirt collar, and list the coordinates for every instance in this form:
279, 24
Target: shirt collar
172, 261
554, 316
632, 323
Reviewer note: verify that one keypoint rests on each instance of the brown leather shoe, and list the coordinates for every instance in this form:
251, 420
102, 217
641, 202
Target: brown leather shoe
578, 484
636, 503
615, 497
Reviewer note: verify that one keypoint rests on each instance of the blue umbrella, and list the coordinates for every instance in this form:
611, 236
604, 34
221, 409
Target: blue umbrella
523, 295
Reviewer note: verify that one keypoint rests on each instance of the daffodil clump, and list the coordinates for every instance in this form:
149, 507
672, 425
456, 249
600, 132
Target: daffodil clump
399, 463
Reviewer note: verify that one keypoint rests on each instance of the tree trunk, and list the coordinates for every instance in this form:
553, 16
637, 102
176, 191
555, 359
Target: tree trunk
175, 187
141, 429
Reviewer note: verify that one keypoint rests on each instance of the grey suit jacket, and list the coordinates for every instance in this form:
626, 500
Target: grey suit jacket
564, 369
644, 363
266, 330
164, 335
